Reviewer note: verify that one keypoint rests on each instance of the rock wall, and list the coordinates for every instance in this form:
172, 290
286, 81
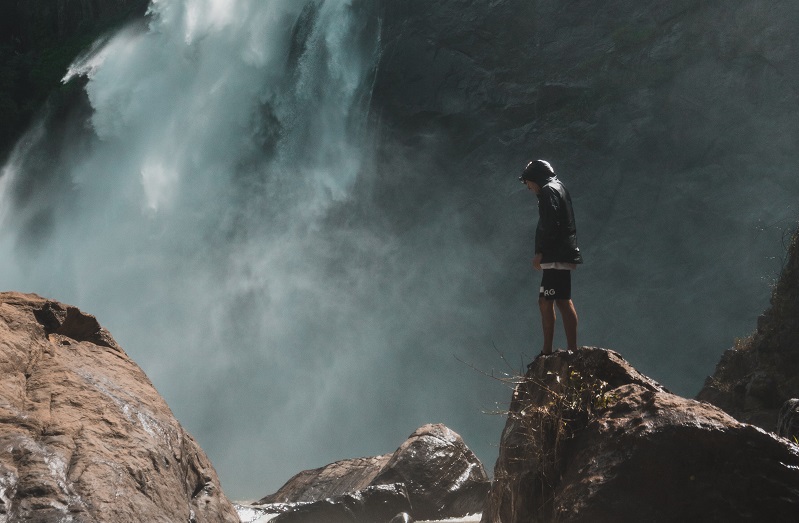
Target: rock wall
38, 40
84, 436
660, 116
588, 438
755, 378
61, 19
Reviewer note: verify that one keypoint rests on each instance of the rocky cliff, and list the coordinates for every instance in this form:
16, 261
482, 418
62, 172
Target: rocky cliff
38, 40
661, 116
756, 377
84, 436
588, 438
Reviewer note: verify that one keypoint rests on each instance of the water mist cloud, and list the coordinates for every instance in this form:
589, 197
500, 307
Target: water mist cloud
195, 223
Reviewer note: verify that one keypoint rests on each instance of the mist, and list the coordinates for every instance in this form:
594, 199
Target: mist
304, 285
203, 207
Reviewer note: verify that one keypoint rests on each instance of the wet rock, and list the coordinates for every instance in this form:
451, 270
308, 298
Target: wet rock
84, 436
441, 475
343, 476
57, 318
404, 517
788, 420
753, 380
584, 442
374, 504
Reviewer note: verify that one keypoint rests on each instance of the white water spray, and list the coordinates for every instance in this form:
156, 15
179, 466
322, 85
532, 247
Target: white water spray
191, 217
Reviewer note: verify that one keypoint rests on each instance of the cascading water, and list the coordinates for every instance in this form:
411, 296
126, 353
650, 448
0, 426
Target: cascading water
213, 197
194, 216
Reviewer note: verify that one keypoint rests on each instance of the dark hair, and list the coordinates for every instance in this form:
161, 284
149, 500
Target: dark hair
538, 172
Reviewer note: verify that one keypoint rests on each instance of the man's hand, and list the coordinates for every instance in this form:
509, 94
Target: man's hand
537, 261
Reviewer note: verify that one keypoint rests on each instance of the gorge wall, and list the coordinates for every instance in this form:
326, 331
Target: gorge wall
38, 41
760, 373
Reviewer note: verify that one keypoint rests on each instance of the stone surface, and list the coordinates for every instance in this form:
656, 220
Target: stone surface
753, 380
402, 517
348, 475
668, 112
441, 475
84, 436
588, 438
374, 504
788, 420
38, 40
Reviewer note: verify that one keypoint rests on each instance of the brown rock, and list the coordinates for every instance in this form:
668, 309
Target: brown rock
442, 476
374, 504
84, 436
788, 420
341, 477
582, 445
755, 378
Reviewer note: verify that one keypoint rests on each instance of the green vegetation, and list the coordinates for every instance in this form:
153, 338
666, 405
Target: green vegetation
549, 409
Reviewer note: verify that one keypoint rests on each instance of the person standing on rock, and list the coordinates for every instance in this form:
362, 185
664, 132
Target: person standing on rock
556, 251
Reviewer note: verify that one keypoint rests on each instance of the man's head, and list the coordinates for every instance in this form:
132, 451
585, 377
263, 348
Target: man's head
538, 172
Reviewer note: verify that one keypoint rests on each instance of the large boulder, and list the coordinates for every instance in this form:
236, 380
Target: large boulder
375, 504
788, 420
84, 436
443, 476
588, 438
440, 475
349, 475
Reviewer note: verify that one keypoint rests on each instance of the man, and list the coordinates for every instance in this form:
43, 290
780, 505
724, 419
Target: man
556, 251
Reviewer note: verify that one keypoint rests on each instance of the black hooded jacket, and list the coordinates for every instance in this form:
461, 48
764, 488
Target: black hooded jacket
556, 234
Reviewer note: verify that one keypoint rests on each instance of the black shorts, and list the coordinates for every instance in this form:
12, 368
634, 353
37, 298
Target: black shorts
556, 284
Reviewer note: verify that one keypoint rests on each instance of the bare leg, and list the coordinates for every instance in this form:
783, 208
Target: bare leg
548, 323
569, 315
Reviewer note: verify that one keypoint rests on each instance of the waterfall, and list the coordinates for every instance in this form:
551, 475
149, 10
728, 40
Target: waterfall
194, 212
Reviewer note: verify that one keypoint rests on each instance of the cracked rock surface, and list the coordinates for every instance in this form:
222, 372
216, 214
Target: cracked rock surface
84, 435
589, 438
433, 475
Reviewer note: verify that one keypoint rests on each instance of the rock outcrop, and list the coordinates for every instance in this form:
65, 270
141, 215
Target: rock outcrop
375, 504
84, 436
666, 111
349, 475
753, 380
438, 473
588, 438
788, 420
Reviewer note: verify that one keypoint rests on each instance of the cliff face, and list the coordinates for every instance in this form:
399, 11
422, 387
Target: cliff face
588, 438
757, 376
661, 118
84, 436
624, 81
38, 40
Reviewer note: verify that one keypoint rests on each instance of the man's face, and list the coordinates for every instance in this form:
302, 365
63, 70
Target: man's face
532, 186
